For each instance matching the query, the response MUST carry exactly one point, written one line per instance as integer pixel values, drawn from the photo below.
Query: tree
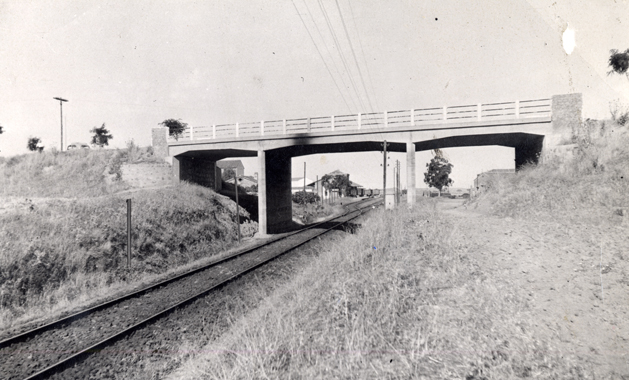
(340, 182)
(175, 127)
(1, 131)
(101, 136)
(34, 144)
(438, 174)
(619, 62)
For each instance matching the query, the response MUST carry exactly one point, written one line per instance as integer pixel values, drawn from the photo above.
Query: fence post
(479, 110)
(237, 130)
(445, 112)
(284, 126)
(517, 109)
(308, 124)
(214, 131)
(412, 117)
(191, 132)
(128, 233)
(262, 128)
(332, 122)
(360, 120)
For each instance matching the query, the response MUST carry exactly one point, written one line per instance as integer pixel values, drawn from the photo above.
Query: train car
(376, 192)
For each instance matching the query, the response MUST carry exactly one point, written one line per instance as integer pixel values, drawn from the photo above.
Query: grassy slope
(55, 249)
(402, 298)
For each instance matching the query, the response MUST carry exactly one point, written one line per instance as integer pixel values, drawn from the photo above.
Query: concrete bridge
(529, 126)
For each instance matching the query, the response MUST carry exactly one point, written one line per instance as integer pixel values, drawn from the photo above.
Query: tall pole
(304, 182)
(317, 183)
(237, 205)
(61, 106)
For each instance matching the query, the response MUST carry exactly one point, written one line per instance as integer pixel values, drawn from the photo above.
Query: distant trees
(340, 182)
(34, 144)
(101, 136)
(438, 174)
(619, 62)
(175, 127)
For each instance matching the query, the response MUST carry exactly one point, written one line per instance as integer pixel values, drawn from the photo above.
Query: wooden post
(412, 117)
(308, 124)
(214, 131)
(237, 130)
(360, 122)
(191, 132)
(332, 122)
(128, 233)
(262, 128)
(284, 126)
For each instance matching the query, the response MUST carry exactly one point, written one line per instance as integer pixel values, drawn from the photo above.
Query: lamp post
(61, 106)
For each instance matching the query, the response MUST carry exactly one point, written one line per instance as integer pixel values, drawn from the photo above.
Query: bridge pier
(275, 203)
(410, 173)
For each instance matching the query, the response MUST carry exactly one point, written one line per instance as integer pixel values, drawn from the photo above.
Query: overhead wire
(329, 53)
(320, 55)
(343, 59)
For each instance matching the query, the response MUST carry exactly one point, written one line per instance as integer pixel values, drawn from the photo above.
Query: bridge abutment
(197, 170)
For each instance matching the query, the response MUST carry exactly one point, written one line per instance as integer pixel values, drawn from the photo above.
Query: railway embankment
(63, 231)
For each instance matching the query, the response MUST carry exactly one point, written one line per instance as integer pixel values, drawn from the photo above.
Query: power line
(320, 55)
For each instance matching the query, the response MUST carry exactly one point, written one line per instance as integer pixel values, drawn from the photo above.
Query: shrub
(305, 197)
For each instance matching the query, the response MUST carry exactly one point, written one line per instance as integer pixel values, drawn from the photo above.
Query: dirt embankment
(575, 276)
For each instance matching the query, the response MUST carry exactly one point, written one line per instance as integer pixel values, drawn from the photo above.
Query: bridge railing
(373, 120)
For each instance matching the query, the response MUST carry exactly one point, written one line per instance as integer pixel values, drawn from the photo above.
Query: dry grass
(400, 299)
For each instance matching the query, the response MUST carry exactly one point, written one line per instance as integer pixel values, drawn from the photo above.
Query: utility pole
(237, 205)
(61, 106)
(304, 182)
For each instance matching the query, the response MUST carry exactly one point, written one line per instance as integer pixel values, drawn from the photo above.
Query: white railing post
(284, 126)
(262, 128)
(386, 119)
(191, 132)
(237, 130)
(445, 113)
(412, 117)
(360, 120)
(214, 131)
(332, 122)
(517, 109)
(479, 111)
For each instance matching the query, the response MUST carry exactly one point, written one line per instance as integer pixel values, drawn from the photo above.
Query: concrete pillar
(160, 142)
(528, 151)
(262, 194)
(410, 173)
(567, 115)
(279, 202)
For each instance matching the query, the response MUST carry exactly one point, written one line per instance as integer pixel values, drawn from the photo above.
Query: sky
(133, 64)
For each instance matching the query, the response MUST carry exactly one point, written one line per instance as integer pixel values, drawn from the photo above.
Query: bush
(304, 197)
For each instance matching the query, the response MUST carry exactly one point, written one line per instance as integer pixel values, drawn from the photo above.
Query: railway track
(50, 349)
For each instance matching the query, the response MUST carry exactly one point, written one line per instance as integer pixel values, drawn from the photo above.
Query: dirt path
(575, 278)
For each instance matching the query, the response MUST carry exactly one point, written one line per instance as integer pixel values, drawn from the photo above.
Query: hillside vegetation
(63, 228)
(591, 186)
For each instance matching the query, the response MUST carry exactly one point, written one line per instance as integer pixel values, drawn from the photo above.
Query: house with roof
(297, 184)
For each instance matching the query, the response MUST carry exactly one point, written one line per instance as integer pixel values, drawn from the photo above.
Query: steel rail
(97, 347)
